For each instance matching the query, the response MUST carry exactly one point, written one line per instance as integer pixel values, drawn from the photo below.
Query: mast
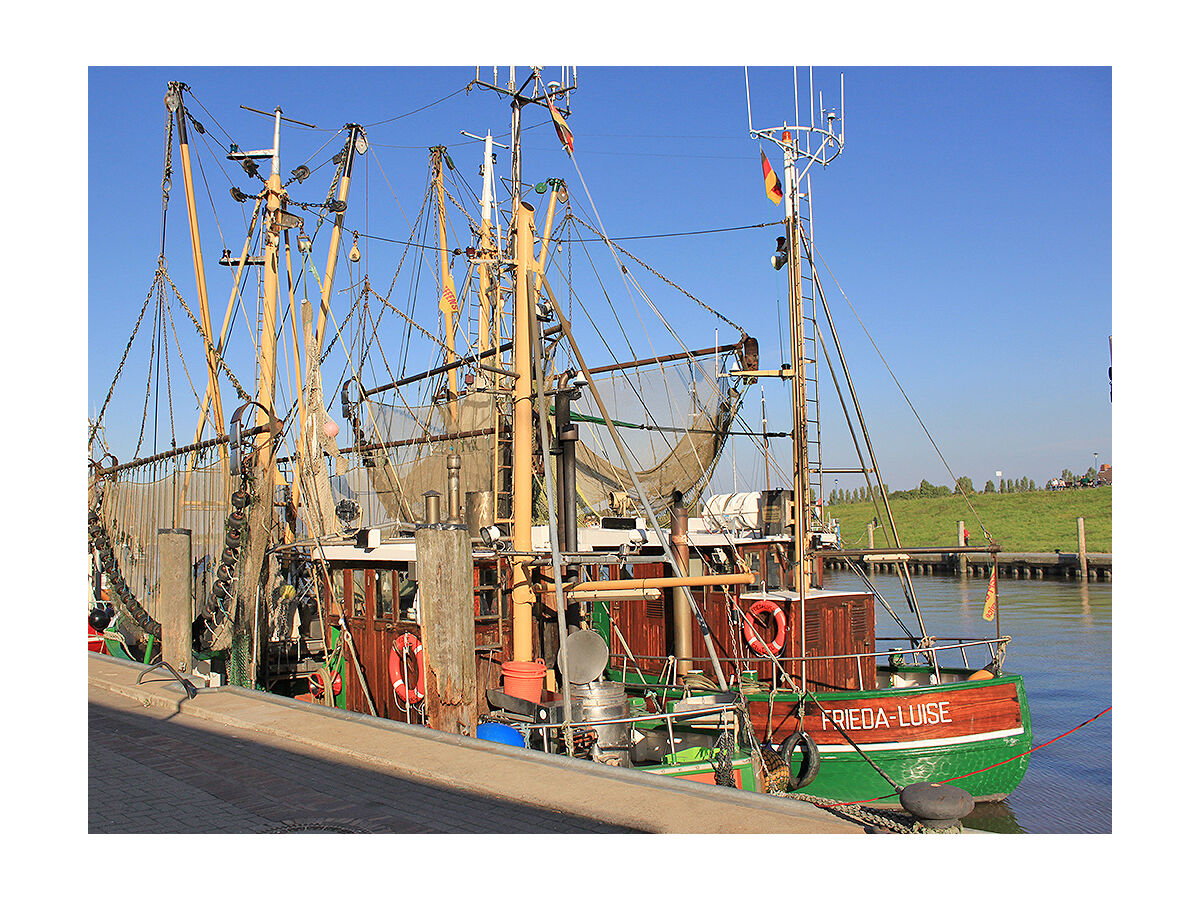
(175, 103)
(267, 339)
(799, 399)
(449, 298)
(486, 247)
(522, 533)
(352, 144)
(829, 148)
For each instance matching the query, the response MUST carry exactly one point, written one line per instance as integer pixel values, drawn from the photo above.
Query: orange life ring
(396, 668)
(756, 644)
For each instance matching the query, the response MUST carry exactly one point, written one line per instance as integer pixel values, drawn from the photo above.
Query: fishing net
(404, 450)
(673, 420)
(136, 502)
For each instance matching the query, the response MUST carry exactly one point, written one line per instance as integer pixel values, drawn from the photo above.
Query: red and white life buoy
(756, 644)
(397, 669)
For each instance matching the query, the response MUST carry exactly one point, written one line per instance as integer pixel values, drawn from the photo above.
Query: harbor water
(1062, 646)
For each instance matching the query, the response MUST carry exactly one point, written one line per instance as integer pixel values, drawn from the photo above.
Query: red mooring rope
(977, 771)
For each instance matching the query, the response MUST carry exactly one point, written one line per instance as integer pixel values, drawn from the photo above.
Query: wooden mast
(487, 247)
(335, 236)
(175, 102)
(449, 299)
(267, 339)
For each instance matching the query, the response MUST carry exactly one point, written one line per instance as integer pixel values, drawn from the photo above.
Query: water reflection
(1062, 646)
(996, 817)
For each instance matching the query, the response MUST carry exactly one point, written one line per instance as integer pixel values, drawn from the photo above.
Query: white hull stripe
(932, 742)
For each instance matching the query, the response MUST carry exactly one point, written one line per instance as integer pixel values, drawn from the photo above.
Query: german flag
(771, 180)
(560, 127)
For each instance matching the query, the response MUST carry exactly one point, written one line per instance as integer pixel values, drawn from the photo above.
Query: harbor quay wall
(1016, 564)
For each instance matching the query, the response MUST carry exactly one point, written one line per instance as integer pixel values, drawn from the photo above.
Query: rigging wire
(920, 421)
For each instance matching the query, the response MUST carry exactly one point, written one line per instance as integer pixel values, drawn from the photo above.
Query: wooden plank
(919, 714)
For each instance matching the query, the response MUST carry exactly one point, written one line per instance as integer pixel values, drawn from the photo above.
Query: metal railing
(997, 646)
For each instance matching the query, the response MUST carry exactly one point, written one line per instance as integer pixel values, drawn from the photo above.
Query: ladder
(502, 416)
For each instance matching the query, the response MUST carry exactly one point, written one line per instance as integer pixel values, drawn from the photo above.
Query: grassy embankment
(1036, 521)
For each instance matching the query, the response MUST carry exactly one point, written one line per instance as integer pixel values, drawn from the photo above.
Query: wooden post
(871, 544)
(961, 564)
(682, 609)
(1083, 566)
(175, 597)
(447, 626)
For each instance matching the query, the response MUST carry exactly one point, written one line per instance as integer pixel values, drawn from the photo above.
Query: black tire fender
(810, 762)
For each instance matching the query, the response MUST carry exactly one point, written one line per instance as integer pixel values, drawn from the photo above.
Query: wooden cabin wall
(374, 620)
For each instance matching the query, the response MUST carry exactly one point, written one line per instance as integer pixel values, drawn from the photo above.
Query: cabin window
(754, 561)
(336, 588)
(488, 591)
(384, 604)
(774, 573)
(359, 605)
(405, 593)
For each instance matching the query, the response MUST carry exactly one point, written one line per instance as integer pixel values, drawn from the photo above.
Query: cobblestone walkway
(151, 772)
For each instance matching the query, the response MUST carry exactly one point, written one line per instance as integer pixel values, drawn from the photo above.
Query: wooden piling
(960, 564)
(871, 544)
(175, 597)
(1083, 565)
(448, 626)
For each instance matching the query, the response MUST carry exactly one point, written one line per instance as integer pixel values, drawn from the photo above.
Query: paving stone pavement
(153, 771)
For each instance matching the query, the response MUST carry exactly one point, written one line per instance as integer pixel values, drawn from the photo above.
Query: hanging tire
(810, 761)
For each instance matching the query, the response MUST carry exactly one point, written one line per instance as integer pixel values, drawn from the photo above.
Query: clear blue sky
(969, 221)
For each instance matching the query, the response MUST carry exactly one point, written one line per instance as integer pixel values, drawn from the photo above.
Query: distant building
(1105, 476)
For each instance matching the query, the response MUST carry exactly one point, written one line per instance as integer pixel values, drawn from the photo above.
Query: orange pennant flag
(771, 181)
(560, 127)
(989, 602)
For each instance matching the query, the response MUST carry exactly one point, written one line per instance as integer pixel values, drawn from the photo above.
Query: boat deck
(238, 761)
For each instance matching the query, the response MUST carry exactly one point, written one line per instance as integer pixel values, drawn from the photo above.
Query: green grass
(1037, 521)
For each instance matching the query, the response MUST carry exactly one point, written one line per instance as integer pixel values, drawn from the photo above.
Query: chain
(125, 355)
(654, 271)
(207, 343)
(215, 613)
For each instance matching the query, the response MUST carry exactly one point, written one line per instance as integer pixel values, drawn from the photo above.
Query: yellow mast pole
(449, 300)
(546, 227)
(486, 246)
(175, 99)
(522, 535)
(301, 418)
(267, 340)
(335, 236)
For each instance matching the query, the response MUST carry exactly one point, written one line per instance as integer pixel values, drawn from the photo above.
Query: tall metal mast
(787, 137)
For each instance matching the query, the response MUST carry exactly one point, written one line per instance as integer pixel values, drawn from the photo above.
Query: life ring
(396, 669)
(756, 644)
(810, 760)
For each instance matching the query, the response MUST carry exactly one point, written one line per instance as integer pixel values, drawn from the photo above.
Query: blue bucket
(499, 734)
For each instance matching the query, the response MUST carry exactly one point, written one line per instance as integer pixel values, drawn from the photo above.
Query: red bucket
(524, 679)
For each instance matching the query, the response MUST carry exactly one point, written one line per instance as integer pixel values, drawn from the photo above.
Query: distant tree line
(964, 485)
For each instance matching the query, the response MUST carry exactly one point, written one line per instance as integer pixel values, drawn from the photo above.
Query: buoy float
(756, 644)
(397, 672)
(981, 675)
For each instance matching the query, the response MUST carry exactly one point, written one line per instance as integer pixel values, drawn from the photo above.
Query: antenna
(785, 135)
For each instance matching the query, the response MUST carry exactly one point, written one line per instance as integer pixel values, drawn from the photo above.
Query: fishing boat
(502, 547)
